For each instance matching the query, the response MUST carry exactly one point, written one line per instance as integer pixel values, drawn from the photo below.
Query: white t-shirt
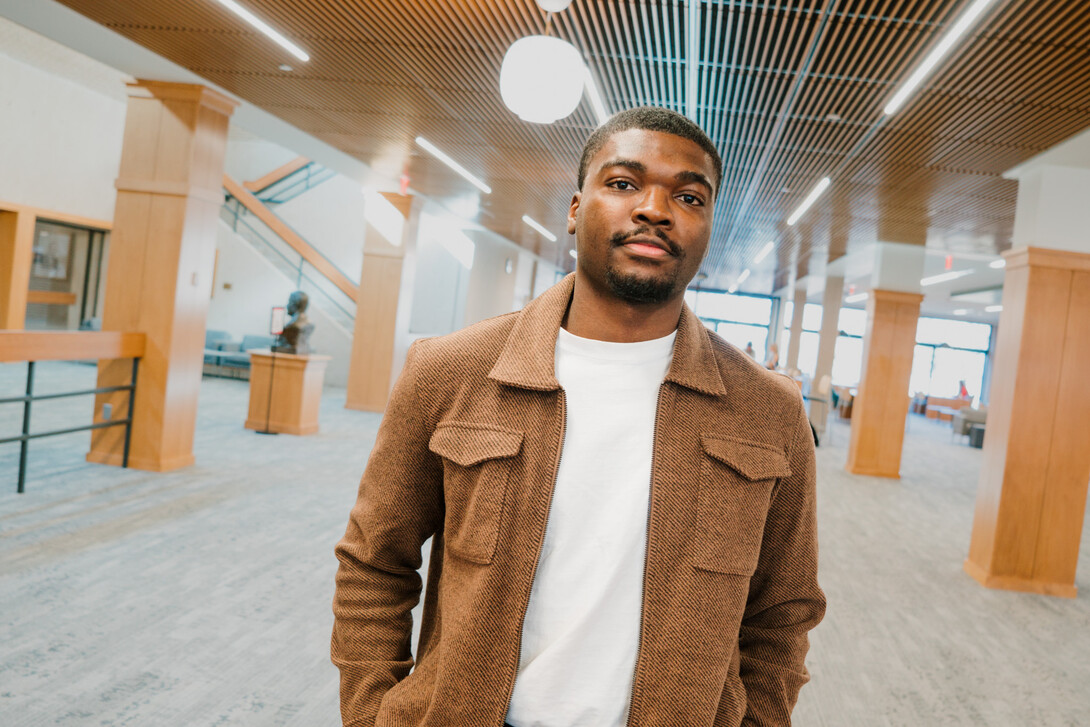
(582, 626)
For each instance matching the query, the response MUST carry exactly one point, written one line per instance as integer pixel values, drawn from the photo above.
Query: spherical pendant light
(542, 78)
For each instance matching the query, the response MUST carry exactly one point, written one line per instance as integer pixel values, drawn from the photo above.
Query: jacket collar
(529, 353)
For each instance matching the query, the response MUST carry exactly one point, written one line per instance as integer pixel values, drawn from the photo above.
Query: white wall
(247, 288)
(330, 217)
(60, 134)
(249, 157)
(491, 287)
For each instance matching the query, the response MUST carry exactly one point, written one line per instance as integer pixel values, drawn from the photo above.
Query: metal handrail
(30, 398)
(237, 210)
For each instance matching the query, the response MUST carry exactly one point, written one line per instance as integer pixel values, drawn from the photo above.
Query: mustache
(619, 238)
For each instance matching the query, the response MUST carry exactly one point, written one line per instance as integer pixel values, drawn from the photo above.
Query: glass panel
(961, 334)
(808, 352)
(852, 321)
(690, 300)
(788, 311)
(740, 334)
(951, 367)
(710, 325)
(811, 317)
(727, 307)
(848, 361)
(920, 380)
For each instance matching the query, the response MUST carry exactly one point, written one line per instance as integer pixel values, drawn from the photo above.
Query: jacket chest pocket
(736, 482)
(477, 463)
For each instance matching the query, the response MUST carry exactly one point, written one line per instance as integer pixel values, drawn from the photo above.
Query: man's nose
(653, 208)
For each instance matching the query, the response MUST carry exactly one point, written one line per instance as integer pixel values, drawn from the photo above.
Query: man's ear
(572, 209)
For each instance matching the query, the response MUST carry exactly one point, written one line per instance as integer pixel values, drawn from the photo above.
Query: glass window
(811, 317)
(848, 361)
(808, 352)
(962, 334)
(951, 366)
(740, 334)
(852, 321)
(740, 308)
(920, 378)
(690, 299)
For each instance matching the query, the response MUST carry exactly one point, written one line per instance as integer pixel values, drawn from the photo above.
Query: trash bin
(976, 436)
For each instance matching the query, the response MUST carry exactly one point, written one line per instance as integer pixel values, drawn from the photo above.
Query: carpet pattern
(202, 597)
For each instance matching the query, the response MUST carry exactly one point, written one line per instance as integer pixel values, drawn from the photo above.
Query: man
(622, 504)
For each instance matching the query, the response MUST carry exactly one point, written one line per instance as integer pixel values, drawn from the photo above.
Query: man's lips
(647, 246)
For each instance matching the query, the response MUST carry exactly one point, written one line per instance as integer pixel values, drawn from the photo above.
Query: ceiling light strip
(692, 58)
(764, 252)
(539, 227)
(944, 277)
(936, 55)
(435, 152)
(595, 97)
(265, 28)
(810, 199)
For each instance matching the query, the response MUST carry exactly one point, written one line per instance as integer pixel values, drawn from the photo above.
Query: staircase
(249, 215)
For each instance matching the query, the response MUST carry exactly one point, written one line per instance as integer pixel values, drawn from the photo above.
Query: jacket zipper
(537, 558)
(646, 559)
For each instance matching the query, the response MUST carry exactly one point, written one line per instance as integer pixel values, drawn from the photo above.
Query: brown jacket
(468, 453)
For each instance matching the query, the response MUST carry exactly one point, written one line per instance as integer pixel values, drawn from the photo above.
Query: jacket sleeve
(399, 506)
(784, 601)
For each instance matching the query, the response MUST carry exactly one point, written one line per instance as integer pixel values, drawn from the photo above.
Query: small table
(943, 413)
(285, 392)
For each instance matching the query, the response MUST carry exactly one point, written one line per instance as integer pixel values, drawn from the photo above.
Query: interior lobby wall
(60, 141)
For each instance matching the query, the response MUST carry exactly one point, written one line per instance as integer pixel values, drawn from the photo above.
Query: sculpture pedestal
(285, 392)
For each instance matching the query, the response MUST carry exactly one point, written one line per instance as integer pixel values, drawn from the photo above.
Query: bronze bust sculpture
(296, 334)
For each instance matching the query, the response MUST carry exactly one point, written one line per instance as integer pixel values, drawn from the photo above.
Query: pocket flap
(749, 459)
(470, 444)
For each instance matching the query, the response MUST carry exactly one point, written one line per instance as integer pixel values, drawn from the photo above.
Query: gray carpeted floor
(201, 597)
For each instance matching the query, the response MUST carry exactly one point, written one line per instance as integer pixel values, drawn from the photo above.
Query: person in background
(963, 391)
(621, 504)
(749, 350)
(772, 361)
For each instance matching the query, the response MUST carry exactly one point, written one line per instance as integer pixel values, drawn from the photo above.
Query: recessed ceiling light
(438, 154)
(858, 297)
(961, 311)
(286, 68)
(265, 28)
(1000, 263)
(574, 254)
(810, 199)
(994, 309)
(833, 117)
(744, 276)
(539, 227)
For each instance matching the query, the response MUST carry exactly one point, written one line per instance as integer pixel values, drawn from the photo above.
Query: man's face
(643, 218)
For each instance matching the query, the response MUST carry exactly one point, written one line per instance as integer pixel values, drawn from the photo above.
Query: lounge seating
(966, 417)
(224, 357)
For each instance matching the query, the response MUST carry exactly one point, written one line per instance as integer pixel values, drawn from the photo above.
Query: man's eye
(621, 184)
(691, 199)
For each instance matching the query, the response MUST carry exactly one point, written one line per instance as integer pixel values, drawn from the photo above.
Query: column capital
(191, 92)
(1046, 257)
(896, 296)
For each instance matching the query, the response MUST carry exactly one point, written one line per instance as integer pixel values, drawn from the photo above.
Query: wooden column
(382, 310)
(1032, 492)
(160, 272)
(16, 256)
(880, 408)
(789, 359)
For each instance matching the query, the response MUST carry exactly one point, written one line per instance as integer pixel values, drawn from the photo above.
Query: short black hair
(650, 118)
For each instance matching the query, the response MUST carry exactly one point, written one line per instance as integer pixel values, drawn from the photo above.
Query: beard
(636, 288)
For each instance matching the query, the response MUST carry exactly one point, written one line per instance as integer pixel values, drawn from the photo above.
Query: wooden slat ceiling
(789, 91)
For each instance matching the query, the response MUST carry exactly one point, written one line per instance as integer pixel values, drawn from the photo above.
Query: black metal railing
(30, 398)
